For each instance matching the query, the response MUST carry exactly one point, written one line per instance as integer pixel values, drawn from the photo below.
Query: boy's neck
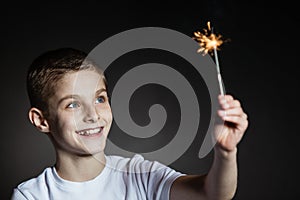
(79, 168)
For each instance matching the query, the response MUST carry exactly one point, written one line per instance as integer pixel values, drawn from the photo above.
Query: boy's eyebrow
(100, 91)
(71, 96)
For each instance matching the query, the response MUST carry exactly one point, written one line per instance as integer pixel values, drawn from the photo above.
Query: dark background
(259, 67)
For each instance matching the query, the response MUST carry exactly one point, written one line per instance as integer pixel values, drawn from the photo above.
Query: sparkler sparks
(210, 43)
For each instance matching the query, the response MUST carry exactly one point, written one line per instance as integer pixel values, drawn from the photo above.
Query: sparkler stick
(218, 70)
(209, 43)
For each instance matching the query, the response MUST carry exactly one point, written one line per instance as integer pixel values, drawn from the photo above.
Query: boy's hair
(48, 69)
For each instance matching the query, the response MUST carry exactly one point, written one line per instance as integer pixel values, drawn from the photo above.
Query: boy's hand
(235, 123)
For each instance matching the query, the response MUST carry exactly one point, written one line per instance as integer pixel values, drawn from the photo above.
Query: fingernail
(223, 101)
(226, 105)
(222, 112)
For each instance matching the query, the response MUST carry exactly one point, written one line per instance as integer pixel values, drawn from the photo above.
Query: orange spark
(208, 41)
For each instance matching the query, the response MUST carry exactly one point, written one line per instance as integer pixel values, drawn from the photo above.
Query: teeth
(90, 132)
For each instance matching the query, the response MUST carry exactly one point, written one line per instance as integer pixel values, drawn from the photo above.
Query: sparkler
(210, 43)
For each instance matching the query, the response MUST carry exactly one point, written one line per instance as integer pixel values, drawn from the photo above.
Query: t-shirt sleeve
(160, 183)
(155, 178)
(17, 195)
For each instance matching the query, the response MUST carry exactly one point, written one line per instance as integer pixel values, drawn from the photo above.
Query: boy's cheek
(109, 119)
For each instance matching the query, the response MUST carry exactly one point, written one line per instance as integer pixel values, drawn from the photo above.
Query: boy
(77, 117)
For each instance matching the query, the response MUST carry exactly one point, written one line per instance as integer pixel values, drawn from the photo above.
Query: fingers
(228, 101)
(231, 110)
(227, 97)
(235, 111)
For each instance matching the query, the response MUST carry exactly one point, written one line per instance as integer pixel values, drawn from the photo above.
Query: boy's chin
(95, 149)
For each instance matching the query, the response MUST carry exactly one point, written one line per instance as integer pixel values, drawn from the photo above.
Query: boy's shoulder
(137, 164)
(36, 181)
(33, 185)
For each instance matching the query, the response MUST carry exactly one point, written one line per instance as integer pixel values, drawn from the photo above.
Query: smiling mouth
(91, 131)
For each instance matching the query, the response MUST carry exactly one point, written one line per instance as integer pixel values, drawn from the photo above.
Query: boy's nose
(91, 115)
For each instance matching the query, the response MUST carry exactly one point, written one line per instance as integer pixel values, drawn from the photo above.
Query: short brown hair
(47, 69)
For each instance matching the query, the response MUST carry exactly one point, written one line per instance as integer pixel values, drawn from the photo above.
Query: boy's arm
(221, 180)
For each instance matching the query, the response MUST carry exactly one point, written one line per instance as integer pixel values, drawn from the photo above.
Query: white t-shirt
(121, 178)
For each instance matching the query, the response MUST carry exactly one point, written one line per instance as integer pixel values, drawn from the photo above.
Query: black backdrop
(259, 67)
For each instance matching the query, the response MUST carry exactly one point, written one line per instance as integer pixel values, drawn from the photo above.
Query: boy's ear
(37, 118)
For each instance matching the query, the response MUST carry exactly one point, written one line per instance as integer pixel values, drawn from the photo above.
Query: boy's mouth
(90, 131)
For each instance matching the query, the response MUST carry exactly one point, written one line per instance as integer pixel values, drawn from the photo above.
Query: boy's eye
(100, 99)
(73, 105)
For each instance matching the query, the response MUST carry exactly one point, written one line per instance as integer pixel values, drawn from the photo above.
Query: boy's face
(80, 116)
